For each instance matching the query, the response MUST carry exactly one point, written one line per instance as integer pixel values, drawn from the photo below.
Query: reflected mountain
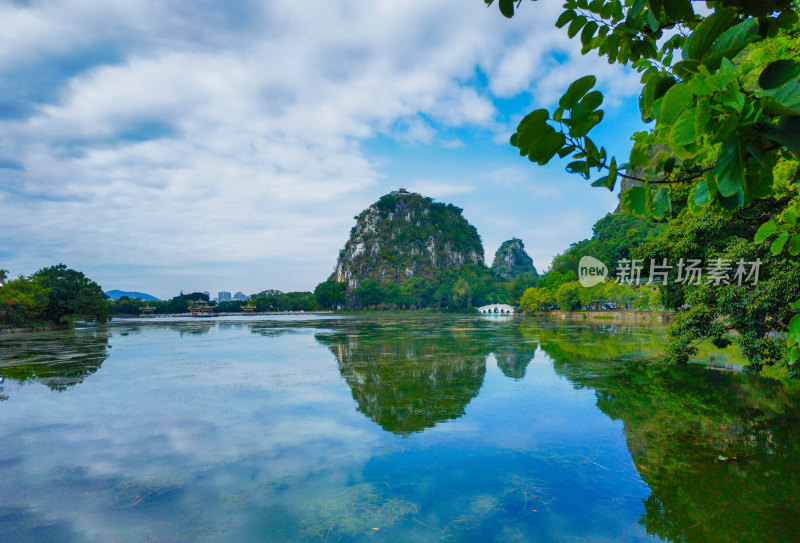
(513, 359)
(720, 451)
(407, 380)
(58, 360)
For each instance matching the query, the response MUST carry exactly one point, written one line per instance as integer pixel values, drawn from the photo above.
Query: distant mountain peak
(117, 294)
(511, 260)
(405, 235)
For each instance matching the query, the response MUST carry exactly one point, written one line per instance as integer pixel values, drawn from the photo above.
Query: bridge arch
(496, 309)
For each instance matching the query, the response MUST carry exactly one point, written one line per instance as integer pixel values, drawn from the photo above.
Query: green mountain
(117, 294)
(511, 260)
(405, 235)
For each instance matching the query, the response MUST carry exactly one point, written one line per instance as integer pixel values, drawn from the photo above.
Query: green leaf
(612, 172)
(779, 243)
(794, 328)
(579, 167)
(730, 43)
(604, 182)
(531, 127)
(733, 202)
(507, 8)
(787, 95)
(565, 17)
(706, 32)
(759, 184)
(545, 148)
(795, 305)
(675, 101)
(655, 8)
(700, 194)
(729, 168)
(588, 32)
(592, 101)
(574, 26)
(778, 74)
(634, 201)
(652, 91)
(596, 6)
(702, 115)
(679, 10)
(787, 132)
(794, 246)
(765, 231)
(565, 151)
(576, 91)
(652, 22)
(661, 203)
(683, 132)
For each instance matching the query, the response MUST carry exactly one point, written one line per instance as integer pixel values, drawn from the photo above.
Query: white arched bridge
(496, 309)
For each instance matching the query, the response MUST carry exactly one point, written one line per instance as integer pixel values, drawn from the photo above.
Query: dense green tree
(723, 89)
(613, 238)
(231, 306)
(125, 306)
(516, 288)
(275, 300)
(568, 296)
(554, 279)
(370, 292)
(179, 303)
(414, 292)
(23, 302)
(330, 294)
(71, 295)
(52, 295)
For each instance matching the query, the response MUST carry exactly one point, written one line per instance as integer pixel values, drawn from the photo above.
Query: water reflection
(720, 451)
(406, 379)
(59, 360)
(247, 431)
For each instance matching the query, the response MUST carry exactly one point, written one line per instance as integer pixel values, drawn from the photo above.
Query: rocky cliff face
(405, 235)
(511, 260)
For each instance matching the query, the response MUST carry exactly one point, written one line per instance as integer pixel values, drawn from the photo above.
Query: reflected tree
(720, 451)
(57, 360)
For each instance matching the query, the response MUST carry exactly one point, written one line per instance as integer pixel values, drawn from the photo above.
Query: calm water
(390, 428)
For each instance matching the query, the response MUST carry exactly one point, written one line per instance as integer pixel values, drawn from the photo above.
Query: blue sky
(166, 146)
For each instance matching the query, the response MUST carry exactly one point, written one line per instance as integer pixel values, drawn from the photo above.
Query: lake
(387, 428)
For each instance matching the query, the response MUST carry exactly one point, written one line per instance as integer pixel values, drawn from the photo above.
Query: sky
(200, 145)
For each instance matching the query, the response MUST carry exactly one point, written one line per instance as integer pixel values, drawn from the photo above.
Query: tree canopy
(52, 295)
(721, 90)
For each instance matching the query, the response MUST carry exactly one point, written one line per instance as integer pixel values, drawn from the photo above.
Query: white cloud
(223, 137)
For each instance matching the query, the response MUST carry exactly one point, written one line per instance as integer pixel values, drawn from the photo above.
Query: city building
(224, 296)
(240, 296)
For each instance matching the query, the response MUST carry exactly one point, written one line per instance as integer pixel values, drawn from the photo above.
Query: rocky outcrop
(405, 235)
(511, 260)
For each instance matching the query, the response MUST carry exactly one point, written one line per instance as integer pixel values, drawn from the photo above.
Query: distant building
(224, 296)
(239, 296)
(248, 309)
(147, 311)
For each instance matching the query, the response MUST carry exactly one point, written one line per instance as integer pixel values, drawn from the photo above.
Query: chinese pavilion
(200, 308)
